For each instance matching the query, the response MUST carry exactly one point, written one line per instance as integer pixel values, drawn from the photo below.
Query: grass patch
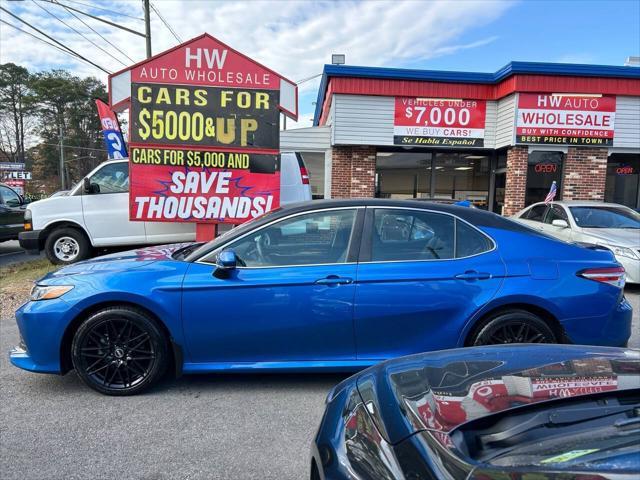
(19, 277)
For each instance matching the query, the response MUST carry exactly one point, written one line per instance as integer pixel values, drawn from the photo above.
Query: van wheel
(67, 245)
(513, 326)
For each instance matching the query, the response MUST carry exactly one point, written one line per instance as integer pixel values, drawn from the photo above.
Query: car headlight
(624, 252)
(44, 292)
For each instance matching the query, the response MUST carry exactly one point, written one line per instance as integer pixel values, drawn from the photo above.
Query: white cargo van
(69, 226)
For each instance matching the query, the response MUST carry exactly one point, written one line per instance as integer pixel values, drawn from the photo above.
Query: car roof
(581, 203)
(475, 216)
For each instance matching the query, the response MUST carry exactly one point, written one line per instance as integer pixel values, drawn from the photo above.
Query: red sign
(178, 194)
(204, 136)
(206, 61)
(565, 119)
(439, 122)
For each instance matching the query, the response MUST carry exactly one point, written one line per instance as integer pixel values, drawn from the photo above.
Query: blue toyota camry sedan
(326, 285)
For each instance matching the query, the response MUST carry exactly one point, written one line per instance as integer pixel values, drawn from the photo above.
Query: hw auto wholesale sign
(439, 122)
(204, 137)
(582, 120)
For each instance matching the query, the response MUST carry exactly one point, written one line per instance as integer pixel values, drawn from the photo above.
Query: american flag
(552, 193)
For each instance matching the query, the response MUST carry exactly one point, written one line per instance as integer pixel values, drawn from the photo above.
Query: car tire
(513, 326)
(120, 351)
(65, 246)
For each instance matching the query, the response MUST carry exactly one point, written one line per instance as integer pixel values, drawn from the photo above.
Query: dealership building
(497, 139)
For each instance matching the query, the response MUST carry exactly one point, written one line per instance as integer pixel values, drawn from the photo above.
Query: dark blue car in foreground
(507, 412)
(326, 285)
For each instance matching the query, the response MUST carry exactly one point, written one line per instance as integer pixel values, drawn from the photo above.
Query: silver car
(608, 224)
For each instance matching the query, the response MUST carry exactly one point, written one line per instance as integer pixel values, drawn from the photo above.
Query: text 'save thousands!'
(203, 154)
(564, 119)
(439, 122)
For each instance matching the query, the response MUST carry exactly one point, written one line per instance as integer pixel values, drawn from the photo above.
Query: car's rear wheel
(119, 351)
(513, 326)
(67, 245)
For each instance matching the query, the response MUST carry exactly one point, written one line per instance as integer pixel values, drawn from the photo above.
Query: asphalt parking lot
(209, 426)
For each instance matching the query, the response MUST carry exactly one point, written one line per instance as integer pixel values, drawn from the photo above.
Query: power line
(73, 146)
(97, 33)
(79, 33)
(38, 38)
(55, 41)
(104, 10)
(153, 7)
(108, 22)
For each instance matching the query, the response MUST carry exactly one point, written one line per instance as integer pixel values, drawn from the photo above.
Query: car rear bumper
(32, 240)
(611, 330)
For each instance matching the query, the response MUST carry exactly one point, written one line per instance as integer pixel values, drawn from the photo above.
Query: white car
(68, 226)
(613, 226)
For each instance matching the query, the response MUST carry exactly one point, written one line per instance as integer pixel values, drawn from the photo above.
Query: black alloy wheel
(514, 326)
(119, 351)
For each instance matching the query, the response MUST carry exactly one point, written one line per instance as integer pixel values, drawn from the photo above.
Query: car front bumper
(32, 240)
(42, 325)
(632, 267)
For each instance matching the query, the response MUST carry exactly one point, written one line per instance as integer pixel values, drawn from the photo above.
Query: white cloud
(295, 38)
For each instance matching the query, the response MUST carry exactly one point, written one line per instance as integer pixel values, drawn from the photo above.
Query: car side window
(409, 235)
(536, 214)
(470, 241)
(556, 212)
(315, 238)
(10, 198)
(112, 178)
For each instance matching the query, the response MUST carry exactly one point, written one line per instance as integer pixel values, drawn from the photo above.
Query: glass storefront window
(403, 175)
(462, 176)
(543, 168)
(441, 176)
(623, 180)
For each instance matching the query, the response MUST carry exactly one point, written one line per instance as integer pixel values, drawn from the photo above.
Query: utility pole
(147, 26)
(62, 174)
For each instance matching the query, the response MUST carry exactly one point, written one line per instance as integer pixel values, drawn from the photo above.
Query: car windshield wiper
(554, 417)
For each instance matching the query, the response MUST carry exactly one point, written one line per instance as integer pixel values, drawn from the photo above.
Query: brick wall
(585, 174)
(353, 172)
(516, 182)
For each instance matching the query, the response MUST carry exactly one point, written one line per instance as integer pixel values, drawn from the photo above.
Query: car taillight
(305, 175)
(613, 276)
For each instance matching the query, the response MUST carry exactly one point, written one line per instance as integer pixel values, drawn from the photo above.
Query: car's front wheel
(513, 326)
(119, 351)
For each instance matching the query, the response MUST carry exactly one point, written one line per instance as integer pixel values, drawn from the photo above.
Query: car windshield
(605, 217)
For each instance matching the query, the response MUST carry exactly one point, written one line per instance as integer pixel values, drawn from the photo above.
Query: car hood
(624, 237)
(116, 262)
(439, 391)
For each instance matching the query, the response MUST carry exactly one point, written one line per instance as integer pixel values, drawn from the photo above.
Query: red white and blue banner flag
(113, 138)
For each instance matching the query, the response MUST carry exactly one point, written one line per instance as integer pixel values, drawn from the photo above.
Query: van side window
(112, 178)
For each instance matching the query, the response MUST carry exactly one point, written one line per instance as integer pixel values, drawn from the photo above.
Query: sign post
(204, 135)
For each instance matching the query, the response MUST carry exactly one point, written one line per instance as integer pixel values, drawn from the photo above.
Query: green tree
(16, 108)
(65, 106)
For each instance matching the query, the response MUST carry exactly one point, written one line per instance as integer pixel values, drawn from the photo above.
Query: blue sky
(296, 38)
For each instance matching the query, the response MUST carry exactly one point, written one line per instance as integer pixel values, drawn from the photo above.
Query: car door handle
(473, 275)
(334, 280)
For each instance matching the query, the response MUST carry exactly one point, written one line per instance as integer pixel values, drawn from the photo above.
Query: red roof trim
(515, 83)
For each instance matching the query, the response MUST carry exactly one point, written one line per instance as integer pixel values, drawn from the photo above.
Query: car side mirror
(558, 222)
(226, 262)
(25, 200)
(89, 187)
